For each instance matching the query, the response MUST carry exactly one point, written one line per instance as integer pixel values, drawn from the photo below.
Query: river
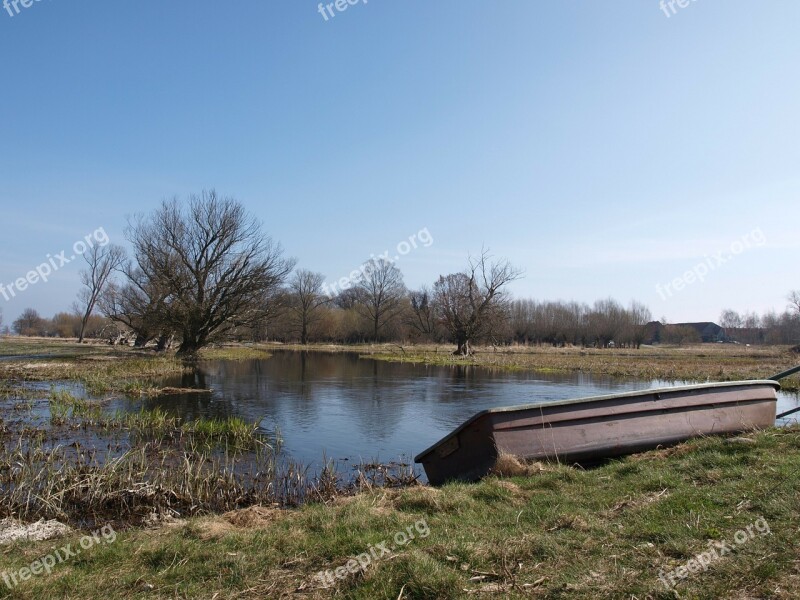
(351, 409)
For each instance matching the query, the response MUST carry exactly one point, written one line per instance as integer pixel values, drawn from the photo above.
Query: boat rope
(787, 413)
(785, 374)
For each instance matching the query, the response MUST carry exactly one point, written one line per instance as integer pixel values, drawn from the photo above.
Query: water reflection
(351, 408)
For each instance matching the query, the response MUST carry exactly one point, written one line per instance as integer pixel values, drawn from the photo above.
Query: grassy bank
(718, 362)
(101, 368)
(120, 369)
(557, 533)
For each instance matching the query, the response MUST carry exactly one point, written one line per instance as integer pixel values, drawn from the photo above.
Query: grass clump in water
(65, 406)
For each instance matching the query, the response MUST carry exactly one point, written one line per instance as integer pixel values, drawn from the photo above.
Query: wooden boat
(591, 429)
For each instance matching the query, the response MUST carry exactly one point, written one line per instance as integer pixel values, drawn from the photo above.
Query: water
(350, 410)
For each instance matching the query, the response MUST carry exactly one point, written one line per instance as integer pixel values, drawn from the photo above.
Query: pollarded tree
(606, 322)
(380, 294)
(472, 303)
(306, 298)
(638, 316)
(217, 269)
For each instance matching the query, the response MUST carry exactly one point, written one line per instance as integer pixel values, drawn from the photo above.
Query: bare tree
(638, 316)
(139, 305)
(102, 261)
(471, 303)
(30, 323)
(794, 301)
(422, 317)
(606, 322)
(380, 292)
(730, 319)
(306, 299)
(213, 267)
(346, 299)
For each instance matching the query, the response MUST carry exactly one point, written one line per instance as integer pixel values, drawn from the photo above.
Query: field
(705, 362)
(711, 518)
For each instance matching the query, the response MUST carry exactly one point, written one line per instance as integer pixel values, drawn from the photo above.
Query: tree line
(203, 271)
(770, 328)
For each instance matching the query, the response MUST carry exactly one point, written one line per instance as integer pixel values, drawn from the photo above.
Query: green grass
(228, 432)
(65, 407)
(234, 353)
(563, 533)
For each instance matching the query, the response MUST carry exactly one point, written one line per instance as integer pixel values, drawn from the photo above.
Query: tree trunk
(191, 345)
(164, 342)
(188, 349)
(464, 348)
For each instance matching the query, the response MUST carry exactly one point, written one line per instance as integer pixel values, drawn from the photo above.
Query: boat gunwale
(520, 407)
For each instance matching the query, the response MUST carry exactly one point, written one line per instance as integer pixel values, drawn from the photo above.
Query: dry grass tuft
(632, 503)
(254, 517)
(574, 522)
(211, 528)
(508, 465)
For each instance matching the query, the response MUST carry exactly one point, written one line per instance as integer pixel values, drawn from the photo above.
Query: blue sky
(601, 146)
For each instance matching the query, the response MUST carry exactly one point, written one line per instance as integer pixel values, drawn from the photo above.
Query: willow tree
(215, 267)
(472, 303)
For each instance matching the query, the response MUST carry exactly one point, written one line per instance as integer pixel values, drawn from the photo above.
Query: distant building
(656, 333)
(708, 332)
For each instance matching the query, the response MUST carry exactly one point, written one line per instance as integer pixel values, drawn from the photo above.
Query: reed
(78, 486)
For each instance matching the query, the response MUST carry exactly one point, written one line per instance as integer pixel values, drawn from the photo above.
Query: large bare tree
(471, 303)
(380, 294)
(306, 299)
(213, 265)
(102, 262)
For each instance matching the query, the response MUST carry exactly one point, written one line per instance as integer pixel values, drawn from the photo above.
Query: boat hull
(591, 429)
